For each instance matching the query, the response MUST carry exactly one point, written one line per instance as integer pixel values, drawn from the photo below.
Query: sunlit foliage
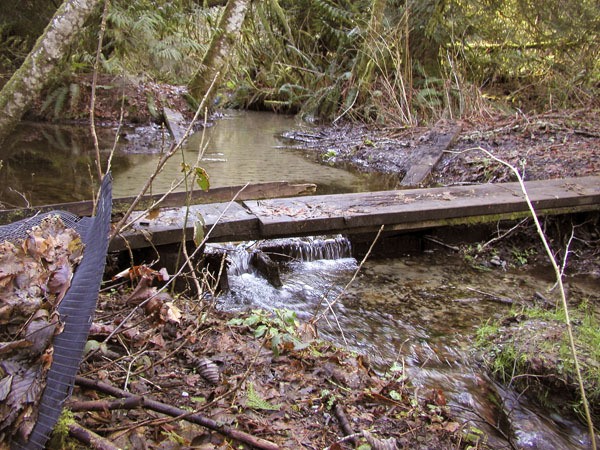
(409, 61)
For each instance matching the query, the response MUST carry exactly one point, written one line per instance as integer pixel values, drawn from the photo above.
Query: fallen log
(173, 411)
(89, 438)
(427, 155)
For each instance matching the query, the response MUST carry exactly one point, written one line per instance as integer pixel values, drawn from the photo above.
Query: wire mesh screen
(18, 230)
(75, 310)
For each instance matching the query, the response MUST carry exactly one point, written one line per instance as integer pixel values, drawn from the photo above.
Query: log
(427, 155)
(266, 267)
(175, 123)
(173, 411)
(255, 191)
(89, 438)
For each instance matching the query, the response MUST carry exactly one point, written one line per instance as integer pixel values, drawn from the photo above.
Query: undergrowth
(529, 350)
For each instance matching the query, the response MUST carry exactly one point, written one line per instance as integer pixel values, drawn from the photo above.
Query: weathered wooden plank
(166, 226)
(409, 209)
(417, 208)
(175, 199)
(427, 155)
(176, 123)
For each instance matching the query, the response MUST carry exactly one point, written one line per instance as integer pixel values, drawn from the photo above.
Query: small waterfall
(239, 257)
(308, 249)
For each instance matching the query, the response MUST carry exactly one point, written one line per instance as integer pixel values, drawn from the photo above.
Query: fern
(255, 401)
(74, 93)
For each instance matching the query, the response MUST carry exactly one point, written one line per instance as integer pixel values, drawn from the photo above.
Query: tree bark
(27, 82)
(218, 54)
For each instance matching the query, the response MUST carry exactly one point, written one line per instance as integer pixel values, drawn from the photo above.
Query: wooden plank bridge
(404, 210)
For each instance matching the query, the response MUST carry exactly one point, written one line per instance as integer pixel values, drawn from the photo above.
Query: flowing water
(421, 312)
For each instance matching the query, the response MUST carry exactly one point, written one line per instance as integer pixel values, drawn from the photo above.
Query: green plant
(279, 327)
(60, 434)
(522, 255)
(255, 401)
(328, 398)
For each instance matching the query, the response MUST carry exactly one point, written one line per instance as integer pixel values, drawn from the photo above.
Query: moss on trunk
(27, 82)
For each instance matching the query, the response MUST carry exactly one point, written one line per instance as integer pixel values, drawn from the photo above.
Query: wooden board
(167, 226)
(419, 208)
(176, 124)
(427, 155)
(175, 199)
(410, 209)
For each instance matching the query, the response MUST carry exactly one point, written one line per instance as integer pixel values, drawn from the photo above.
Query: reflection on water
(420, 312)
(240, 148)
(44, 164)
(51, 164)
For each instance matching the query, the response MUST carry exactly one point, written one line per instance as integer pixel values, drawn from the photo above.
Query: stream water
(45, 164)
(419, 311)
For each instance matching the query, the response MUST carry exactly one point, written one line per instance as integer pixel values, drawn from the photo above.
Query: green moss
(60, 435)
(530, 351)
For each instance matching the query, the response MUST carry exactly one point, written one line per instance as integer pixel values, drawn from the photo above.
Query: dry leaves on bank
(35, 274)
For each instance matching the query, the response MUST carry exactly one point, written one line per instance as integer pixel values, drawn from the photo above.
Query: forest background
(390, 62)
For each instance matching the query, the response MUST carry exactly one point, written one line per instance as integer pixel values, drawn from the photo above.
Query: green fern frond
(61, 98)
(255, 401)
(50, 98)
(74, 93)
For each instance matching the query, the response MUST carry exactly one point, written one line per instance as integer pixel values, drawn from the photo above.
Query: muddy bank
(545, 146)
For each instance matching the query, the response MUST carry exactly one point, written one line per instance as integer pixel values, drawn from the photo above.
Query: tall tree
(221, 46)
(27, 82)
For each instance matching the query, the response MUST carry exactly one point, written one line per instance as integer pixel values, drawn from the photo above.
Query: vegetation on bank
(382, 61)
(529, 350)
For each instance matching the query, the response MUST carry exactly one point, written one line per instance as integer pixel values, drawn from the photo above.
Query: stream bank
(383, 152)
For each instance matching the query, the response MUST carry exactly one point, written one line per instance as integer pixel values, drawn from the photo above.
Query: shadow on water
(421, 313)
(45, 163)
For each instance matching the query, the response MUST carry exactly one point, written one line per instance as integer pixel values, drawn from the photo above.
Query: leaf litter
(35, 274)
(280, 384)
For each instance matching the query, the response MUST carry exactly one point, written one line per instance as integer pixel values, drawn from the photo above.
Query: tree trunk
(217, 56)
(27, 82)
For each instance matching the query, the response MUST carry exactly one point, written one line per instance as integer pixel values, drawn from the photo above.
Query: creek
(44, 164)
(418, 311)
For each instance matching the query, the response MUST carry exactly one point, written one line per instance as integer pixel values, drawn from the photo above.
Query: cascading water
(419, 311)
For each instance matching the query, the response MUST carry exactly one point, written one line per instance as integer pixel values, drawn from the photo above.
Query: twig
(90, 438)
(443, 244)
(563, 296)
(173, 411)
(350, 438)
(507, 300)
(503, 235)
(106, 405)
(94, 81)
(340, 415)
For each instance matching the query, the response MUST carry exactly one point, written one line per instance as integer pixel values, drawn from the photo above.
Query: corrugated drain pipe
(76, 311)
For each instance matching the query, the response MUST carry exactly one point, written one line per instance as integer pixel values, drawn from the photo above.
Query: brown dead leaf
(170, 313)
